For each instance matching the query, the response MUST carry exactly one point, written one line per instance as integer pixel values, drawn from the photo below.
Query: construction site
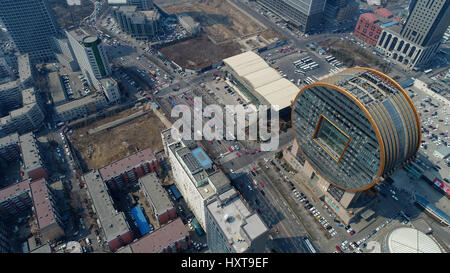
(227, 30)
(118, 136)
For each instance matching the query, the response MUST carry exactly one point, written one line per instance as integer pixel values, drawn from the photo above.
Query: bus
(427, 71)
(297, 62)
(309, 245)
(305, 67)
(314, 66)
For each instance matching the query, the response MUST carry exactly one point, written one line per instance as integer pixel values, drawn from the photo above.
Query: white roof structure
(265, 80)
(410, 240)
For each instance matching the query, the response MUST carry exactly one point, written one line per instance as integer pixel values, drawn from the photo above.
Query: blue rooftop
(202, 158)
(389, 24)
(140, 220)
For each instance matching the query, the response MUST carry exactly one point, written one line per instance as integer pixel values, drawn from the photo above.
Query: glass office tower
(356, 127)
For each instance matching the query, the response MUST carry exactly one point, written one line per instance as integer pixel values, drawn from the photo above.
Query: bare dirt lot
(221, 20)
(107, 146)
(199, 52)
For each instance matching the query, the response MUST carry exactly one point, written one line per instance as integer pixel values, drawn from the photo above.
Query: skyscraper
(427, 21)
(304, 14)
(418, 40)
(31, 25)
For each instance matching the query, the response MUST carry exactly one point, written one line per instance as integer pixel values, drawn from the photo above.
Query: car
(88, 241)
(261, 183)
(338, 248)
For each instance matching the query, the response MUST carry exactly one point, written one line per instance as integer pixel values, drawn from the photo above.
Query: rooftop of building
(56, 88)
(24, 67)
(127, 163)
(15, 189)
(79, 33)
(159, 239)
(42, 203)
(30, 151)
(9, 140)
(112, 222)
(45, 248)
(208, 184)
(91, 98)
(235, 220)
(187, 19)
(158, 195)
(265, 80)
(384, 12)
(107, 81)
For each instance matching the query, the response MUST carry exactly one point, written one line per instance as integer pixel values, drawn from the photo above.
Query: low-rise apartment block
(32, 161)
(170, 238)
(158, 198)
(128, 170)
(113, 224)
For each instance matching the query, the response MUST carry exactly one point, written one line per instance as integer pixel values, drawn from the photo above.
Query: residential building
(47, 215)
(90, 54)
(25, 119)
(31, 25)
(5, 246)
(21, 104)
(196, 183)
(31, 156)
(158, 198)
(14, 199)
(417, 41)
(306, 15)
(141, 25)
(231, 227)
(115, 228)
(129, 169)
(82, 107)
(172, 237)
(10, 147)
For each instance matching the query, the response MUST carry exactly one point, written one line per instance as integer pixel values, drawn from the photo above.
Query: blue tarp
(140, 220)
(175, 191)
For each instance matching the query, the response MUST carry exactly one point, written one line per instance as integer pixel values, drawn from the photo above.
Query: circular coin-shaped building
(356, 127)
